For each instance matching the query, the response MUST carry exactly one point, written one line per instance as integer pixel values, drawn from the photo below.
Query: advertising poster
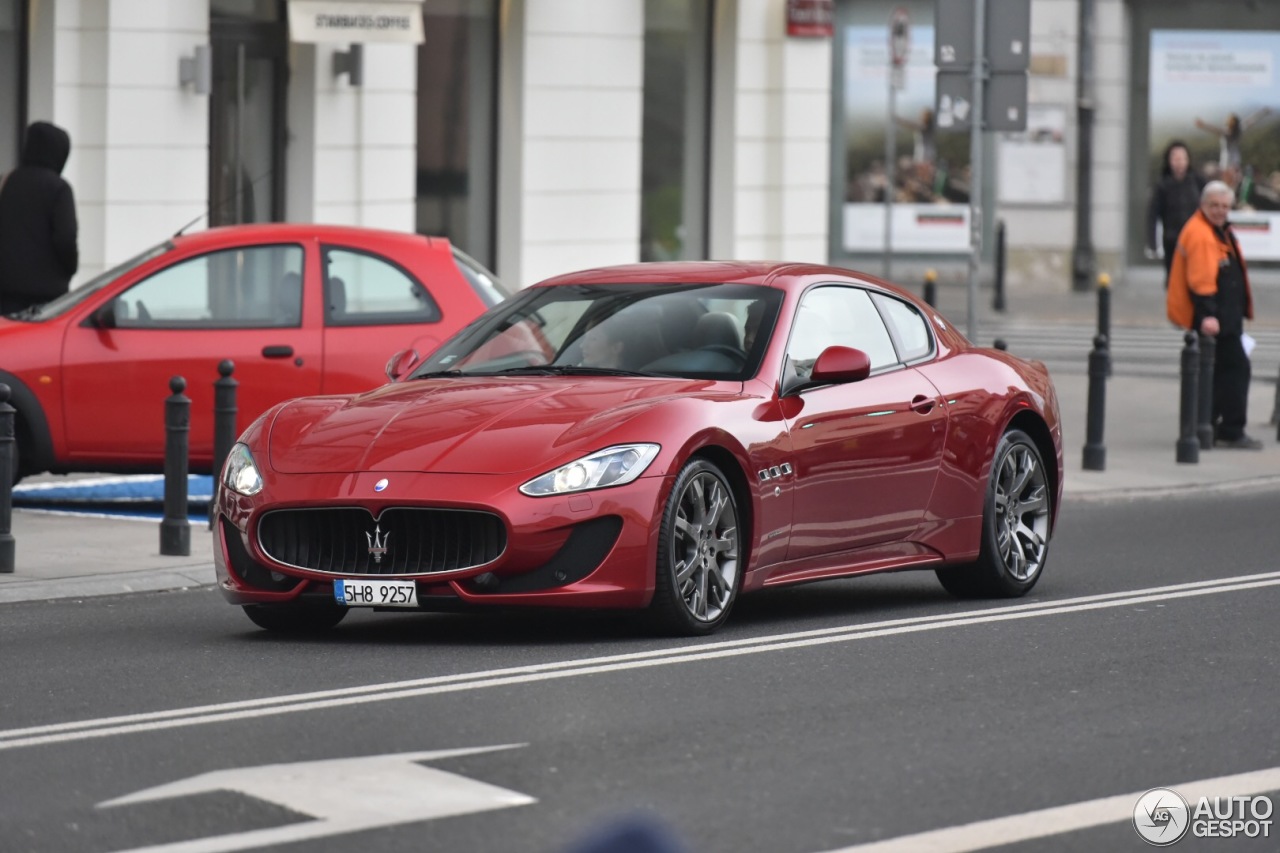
(1033, 162)
(931, 190)
(1218, 92)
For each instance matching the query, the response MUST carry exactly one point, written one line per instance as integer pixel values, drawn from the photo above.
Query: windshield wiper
(435, 374)
(571, 370)
(27, 313)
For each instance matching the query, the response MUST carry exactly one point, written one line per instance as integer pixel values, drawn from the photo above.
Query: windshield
(704, 331)
(74, 297)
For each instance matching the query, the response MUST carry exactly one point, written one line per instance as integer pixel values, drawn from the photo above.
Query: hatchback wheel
(295, 618)
(699, 553)
(1015, 526)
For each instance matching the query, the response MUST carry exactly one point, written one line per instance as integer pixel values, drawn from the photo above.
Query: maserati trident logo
(377, 543)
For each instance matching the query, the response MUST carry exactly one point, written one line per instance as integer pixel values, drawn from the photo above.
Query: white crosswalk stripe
(1149, 348)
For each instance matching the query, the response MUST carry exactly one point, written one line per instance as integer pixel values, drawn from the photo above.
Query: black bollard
(931, 288)
(1104, 313)
(8, 462)
(997, 302)
(1188, 444)
(1204, 419)
(224, 423)
(1095, 452)
(175, 529)
(1000, 344)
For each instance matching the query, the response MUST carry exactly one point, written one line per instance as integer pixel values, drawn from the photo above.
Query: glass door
(246, 121)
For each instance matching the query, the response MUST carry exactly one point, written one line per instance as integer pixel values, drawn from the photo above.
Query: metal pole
(1104, 312)
(1204, 425)
(997, 303)
(975, 163)
(175, 529)
(1082, 256)
(224, 423)
(931, 287)
(8, 464)
(890, 155)
(1188, 444)
(1095, 452)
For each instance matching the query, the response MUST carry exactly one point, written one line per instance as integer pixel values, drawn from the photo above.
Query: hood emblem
(377, 543)
(381, 484)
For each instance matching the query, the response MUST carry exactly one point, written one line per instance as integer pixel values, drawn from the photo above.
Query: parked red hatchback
(300, 309)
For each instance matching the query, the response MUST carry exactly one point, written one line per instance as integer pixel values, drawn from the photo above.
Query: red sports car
(661, 436)
(299, 309)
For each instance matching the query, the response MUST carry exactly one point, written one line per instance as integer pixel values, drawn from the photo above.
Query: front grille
(417, 541)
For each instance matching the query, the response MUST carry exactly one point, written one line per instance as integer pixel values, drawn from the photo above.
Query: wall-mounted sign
(811, 18)
(347, 21)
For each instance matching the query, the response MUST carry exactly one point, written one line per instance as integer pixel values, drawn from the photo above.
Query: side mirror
(400, 363)
(104, 316)
(841, 364)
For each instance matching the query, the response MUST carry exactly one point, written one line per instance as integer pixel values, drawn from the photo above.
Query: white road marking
(324, 699)
(1070, 818)
(342, 795)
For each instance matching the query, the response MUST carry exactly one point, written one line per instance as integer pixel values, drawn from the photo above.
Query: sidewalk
(60, 556)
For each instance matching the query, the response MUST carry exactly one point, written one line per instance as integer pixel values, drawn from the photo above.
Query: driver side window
(838, 316)
(252, 287)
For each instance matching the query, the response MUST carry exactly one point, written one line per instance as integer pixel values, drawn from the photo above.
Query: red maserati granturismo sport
(297, 308)
(662, 437)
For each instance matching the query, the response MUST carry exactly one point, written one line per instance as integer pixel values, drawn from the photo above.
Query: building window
(457, 107)
(674, 146)
(13, 80)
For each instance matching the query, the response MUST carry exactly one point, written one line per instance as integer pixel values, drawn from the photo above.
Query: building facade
(547, 135)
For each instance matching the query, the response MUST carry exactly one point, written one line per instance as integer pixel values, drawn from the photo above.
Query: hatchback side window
(362, 289)
(251, 287)
(838, 316)
(911, 329)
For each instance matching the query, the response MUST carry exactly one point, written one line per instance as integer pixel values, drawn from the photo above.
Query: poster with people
(931, 167)
(1218, 92)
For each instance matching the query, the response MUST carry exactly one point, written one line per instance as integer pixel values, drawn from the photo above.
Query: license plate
(375, 593)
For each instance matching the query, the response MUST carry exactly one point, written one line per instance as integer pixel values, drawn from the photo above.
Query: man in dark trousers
(1209, 293)
(38, 252)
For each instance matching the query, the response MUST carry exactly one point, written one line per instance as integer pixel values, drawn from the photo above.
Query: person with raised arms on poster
(1229, 136)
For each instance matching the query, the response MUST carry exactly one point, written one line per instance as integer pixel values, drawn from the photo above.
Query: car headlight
(612, 466)
(240, 473)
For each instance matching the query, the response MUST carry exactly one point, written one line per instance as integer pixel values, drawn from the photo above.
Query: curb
(120, 583)
(1180, 490)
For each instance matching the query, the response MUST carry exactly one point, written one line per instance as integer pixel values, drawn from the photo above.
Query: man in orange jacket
(1209, 293)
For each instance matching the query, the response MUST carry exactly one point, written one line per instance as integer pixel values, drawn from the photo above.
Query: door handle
(922, 404)
(277, 351)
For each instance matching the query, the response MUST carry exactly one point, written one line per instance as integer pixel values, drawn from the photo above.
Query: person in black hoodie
(1174, 200)
(38, 252)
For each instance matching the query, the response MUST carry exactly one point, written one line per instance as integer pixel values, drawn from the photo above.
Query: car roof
(284, 231)
(771, 273)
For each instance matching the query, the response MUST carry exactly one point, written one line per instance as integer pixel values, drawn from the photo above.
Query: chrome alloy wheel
(705, 547)
(1021, 512)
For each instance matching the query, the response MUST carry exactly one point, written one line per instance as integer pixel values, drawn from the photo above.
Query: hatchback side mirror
(104, 316)
(400, 363)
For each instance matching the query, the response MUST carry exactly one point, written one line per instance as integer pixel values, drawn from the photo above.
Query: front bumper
(592, 549)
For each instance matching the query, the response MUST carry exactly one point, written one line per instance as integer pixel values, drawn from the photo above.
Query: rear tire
(700, 554)
(1015, 526)
(295, 618)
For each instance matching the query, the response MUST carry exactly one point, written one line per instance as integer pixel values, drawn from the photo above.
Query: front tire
(700, 551)
(1015, 526)
(295, 618)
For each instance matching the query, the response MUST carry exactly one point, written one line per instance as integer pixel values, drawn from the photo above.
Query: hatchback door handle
(277, 352)
(922, 404)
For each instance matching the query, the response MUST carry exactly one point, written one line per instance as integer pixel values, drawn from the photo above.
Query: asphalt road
(809, 724)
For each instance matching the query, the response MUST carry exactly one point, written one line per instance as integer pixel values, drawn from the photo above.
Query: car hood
(482, 425)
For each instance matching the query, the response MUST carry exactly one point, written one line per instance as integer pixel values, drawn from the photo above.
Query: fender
(38, 456)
